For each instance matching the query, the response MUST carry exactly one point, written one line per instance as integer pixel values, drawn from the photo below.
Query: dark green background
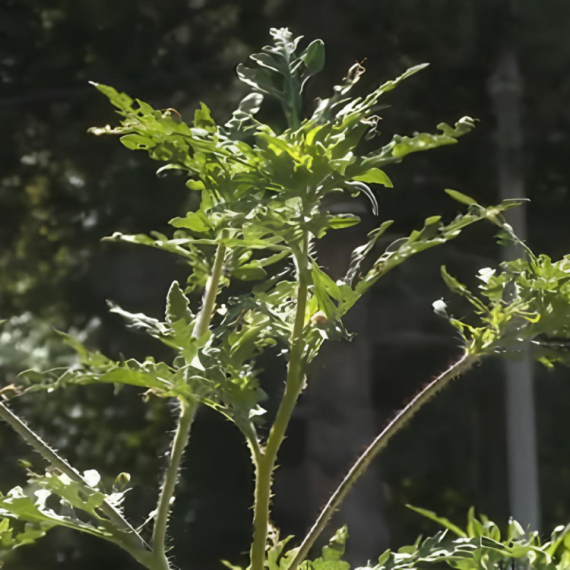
(61, 190)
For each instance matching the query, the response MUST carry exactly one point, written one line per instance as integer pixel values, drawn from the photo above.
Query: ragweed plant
(480, 545)
(261, 205)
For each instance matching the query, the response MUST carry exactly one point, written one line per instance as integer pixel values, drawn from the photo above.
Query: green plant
(481, 545)
(262, 204)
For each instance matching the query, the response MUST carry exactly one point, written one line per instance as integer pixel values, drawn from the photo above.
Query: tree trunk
(505, 89)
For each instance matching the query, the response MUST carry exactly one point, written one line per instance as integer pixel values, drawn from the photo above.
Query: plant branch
(210, 294)
(381, 441)
(187, 413)
(252, 442)
(135, 541)
(293, 387)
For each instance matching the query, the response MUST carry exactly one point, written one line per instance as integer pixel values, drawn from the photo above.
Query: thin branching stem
(181, 437)
(363, 462)
(250, 436)
(293, 387)
(210, 294)
(135, 541)
(185, 420)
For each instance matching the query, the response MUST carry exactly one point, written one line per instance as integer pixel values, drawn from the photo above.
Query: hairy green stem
(293, 387)
(252, 443)
(185, 420)
(187, 413)
(135, 541)
(381, 441)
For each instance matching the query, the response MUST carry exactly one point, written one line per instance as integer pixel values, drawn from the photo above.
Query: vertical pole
(505, 90)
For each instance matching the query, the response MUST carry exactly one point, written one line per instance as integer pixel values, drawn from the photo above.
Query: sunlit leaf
(463, 198)
(375, 176)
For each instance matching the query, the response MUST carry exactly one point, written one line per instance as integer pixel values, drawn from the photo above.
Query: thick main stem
(185, 420)
(381, 441)
(135, 542)
(293, 387)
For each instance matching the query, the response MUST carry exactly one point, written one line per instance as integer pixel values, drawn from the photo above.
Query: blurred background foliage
(62, 190)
